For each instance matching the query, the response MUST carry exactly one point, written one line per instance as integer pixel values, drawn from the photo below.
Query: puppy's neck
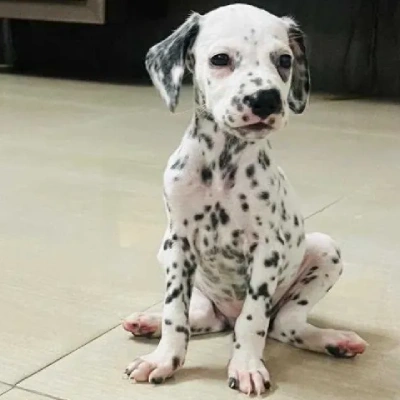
(222, 152)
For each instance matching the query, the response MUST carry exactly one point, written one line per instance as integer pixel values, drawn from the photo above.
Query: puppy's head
(250, 67)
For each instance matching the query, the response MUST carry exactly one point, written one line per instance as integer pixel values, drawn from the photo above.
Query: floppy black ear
(300, 84)
(165, 62)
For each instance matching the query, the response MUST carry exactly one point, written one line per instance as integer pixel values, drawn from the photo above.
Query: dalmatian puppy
(235, 253)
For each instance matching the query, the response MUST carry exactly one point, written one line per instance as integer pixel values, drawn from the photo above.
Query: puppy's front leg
(247, 371)
(180, 265)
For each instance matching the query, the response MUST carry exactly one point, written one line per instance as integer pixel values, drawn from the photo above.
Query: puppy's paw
(248, 375)
(342, 344)
(140, 324)
(154, 367)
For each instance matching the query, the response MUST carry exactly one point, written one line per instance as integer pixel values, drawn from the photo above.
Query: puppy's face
(249, 68)
(243, 67)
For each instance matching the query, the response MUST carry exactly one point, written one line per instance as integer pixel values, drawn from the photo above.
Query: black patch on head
(300, 84)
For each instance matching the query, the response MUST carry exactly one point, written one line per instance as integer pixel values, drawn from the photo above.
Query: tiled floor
(81, 218)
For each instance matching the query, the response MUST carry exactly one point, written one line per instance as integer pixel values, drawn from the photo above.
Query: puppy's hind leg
(321, 269)
(202, 319)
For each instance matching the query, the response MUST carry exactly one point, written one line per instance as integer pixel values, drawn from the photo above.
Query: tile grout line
(16, 385)
(42, 394)
(322, 209)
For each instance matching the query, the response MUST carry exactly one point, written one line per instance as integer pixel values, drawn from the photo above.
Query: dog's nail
(156, 381)
(267, 385)
(232, 383)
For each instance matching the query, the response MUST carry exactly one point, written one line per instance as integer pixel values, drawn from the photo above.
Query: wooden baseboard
(78, 11)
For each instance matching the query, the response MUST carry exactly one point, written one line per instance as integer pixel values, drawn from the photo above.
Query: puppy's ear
(300, 84)
(165, 62)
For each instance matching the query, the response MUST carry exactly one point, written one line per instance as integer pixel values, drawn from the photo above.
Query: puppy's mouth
(258, 126)
(259, 129)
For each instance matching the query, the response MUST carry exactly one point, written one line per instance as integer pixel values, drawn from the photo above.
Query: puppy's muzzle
(264, 103)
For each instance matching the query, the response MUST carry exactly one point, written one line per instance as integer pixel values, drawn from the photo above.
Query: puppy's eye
(220, 60)
(285, 61)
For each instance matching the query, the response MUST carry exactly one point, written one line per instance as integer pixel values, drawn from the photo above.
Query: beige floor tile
(366, 225)
(4, 388)
(18, 394)
(96, 369)
(81, 218)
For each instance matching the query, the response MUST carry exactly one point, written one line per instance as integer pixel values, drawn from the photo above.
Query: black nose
(264, 102)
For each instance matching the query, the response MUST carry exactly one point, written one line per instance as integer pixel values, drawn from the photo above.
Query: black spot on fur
(167, 322)
(288, 236)
(174, 294)
(250, 171)
(253, 247)
(207, 139)
(176, 362)
(257, 81)
(245, 207)
(249, 317)
(223, 216)
(273, 260)
(214, 220)
(263, 195)
(263, 159)
(206, 175)
(302, 302)
(261, 333)
(198, 217)
(185, 244)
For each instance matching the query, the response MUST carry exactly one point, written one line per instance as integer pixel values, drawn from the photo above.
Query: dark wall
(354, 44)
